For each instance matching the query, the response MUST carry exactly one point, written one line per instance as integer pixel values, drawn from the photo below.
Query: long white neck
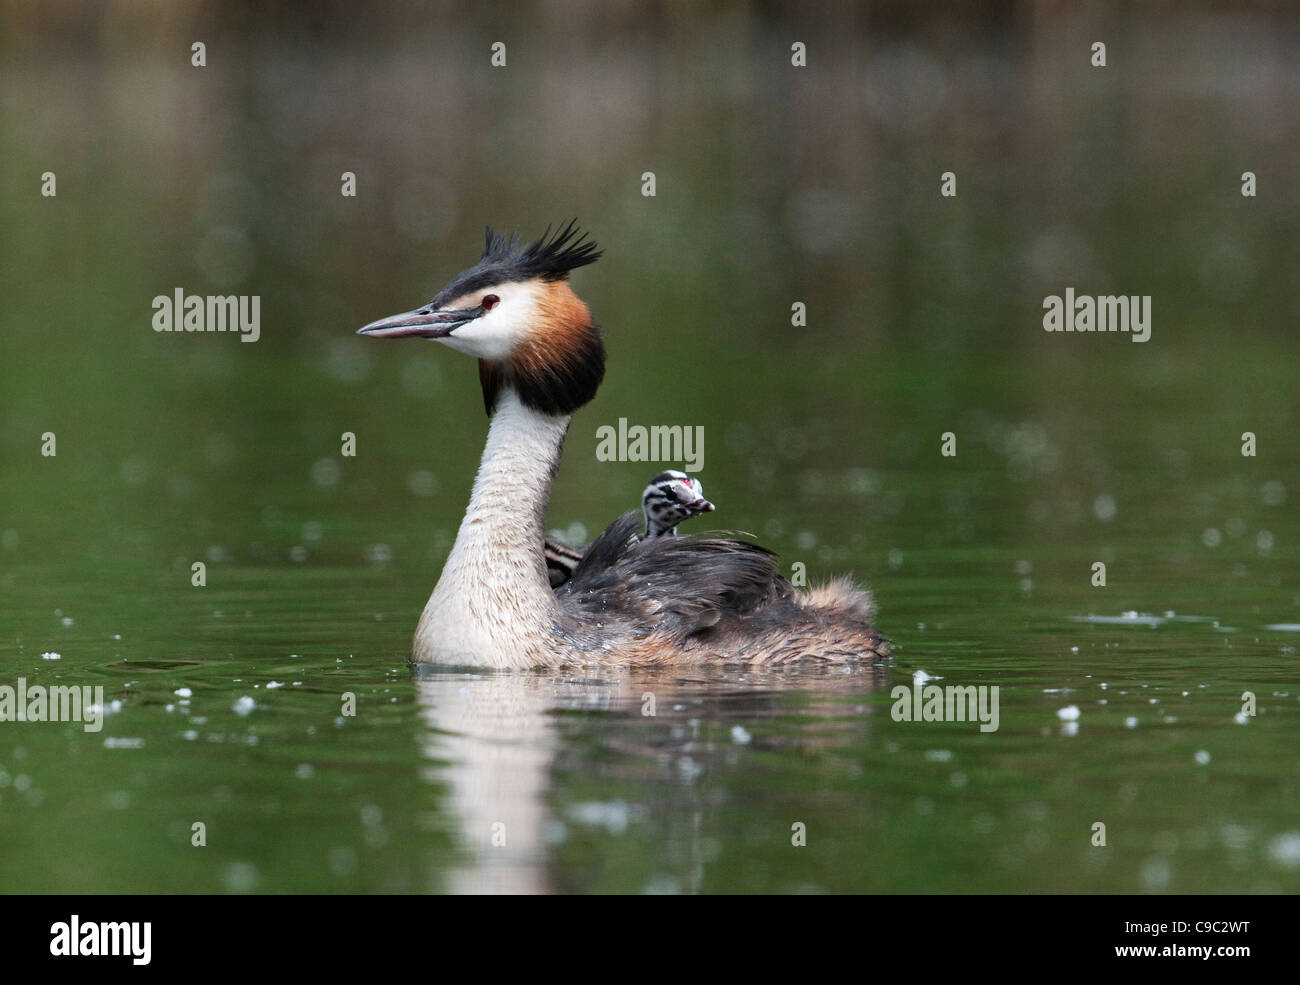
(493, 605)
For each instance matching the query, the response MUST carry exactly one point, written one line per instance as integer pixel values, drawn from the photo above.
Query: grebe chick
(649, 600)
(671, 498)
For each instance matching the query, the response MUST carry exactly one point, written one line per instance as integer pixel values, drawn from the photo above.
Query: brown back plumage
(700, 597)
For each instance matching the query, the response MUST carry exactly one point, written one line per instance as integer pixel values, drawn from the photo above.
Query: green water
(226, 700)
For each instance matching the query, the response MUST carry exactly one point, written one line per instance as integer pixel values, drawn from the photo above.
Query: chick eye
(490, 301)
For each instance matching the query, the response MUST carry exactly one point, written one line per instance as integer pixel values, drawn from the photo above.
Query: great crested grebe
(671, 498)
(630, 600)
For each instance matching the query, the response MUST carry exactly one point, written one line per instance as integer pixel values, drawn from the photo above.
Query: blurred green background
(774, 184)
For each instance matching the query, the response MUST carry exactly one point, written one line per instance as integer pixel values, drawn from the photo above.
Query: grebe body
(632, 598)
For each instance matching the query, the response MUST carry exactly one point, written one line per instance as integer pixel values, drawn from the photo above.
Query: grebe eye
(490, 301)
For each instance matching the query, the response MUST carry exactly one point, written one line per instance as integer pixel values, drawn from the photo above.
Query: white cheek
(495, 335)
(483, 338)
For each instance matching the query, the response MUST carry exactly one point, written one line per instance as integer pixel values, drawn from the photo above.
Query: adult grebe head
(516, 313)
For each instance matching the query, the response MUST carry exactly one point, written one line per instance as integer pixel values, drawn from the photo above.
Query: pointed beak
(702, 506)
(424, 323)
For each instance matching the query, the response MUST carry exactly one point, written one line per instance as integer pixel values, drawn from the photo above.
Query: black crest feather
(550, 257)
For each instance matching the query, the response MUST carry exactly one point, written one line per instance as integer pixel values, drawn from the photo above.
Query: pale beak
(424, 323)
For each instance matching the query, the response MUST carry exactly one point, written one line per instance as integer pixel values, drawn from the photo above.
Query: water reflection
(495, 739)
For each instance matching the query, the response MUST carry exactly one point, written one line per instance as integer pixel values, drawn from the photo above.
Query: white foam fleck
(613, 816)
(1285, 849)
(240, 877)
(1123, 619)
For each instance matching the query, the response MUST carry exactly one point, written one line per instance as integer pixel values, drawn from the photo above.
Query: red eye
(490, 301)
